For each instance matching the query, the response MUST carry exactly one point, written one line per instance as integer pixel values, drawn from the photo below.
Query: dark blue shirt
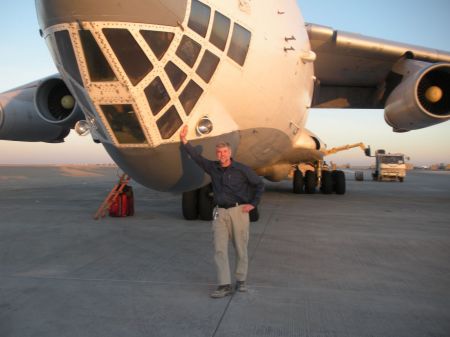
(236, 183)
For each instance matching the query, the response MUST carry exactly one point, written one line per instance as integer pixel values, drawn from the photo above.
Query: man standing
(237, 190)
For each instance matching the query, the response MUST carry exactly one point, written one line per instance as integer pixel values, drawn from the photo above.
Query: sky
(24, 58)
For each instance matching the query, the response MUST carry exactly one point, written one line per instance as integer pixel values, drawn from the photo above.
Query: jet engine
(422, 98)
(56, 105)
(42, 111)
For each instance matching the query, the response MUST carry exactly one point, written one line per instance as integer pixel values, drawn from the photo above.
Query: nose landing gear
(199, 204)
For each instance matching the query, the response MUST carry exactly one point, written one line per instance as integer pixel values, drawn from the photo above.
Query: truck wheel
(339, 182)
(189, 202)
(310, 182)
(297, 182)
(205, 203)
(401, 179)
(327, 183)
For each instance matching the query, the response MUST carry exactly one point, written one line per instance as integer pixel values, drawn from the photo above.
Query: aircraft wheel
(326, 183)
(205, 203)
(298, 182)
(189, 202)
(254, 215)
(310, 182)
(339, 182)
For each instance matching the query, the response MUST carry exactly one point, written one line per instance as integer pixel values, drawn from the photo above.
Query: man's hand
(247, 208)
(183, 133)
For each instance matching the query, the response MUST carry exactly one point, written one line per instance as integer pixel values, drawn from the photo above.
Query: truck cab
(389, 166)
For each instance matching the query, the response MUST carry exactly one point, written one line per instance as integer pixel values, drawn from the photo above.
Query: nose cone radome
(160, 12)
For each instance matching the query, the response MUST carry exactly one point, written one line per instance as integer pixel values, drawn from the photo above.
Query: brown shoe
(241, 286)
(222, 291)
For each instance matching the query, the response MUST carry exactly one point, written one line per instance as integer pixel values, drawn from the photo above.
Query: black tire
(401, 179)
(298, 182)
(310, 182)
(205, 203)
(189, 201)
(254, 215)
(326, 185)
(338, 182)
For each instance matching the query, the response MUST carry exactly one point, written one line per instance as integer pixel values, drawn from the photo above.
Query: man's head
(223, 153)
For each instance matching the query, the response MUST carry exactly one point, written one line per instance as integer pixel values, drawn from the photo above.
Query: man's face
(223, 155)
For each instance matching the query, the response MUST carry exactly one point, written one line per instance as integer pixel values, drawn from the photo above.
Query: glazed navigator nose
(160, 12)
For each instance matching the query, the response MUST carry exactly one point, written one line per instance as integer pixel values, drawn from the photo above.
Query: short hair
(223, 144)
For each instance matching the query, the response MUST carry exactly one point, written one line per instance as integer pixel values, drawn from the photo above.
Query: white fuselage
(259, 106)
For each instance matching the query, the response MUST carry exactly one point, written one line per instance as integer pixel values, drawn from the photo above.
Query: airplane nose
(160, 12)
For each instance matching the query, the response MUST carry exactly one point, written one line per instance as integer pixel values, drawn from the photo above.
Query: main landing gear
(199, 204)
(327, 181)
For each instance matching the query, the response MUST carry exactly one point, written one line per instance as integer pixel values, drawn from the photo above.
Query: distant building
(440, 167)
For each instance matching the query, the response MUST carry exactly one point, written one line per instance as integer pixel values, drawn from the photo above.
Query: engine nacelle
(42, 111)
(422, 98)
(55, 104)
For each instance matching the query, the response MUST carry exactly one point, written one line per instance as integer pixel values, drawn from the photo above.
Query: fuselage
(139, 70)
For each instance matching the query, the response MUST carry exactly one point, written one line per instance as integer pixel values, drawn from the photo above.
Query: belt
(229, 206)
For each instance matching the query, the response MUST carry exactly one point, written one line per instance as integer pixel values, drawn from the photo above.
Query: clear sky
(24, 58)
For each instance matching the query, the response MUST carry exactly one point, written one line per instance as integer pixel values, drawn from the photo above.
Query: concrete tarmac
(374, 262)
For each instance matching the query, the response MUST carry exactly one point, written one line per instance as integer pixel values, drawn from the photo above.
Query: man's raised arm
(204, 163)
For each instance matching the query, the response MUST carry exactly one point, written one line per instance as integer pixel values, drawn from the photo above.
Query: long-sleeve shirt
(236, 183)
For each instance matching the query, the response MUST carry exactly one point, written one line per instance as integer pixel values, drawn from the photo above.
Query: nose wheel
(199, 204)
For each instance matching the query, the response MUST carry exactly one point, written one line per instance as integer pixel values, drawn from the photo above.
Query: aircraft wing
(356, 71)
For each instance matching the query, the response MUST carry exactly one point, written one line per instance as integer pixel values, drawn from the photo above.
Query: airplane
(133, 72)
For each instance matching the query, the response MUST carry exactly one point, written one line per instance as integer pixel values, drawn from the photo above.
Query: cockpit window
(159, 42)
(157, 95)
(67, 54)
(188, 51)
(98, 67)
(124, 123)
(240, 42)
(207, 66)
(169, 123)
(175, 74)
(220, 30)
(190, 96)
(129, 53)
(199, 18)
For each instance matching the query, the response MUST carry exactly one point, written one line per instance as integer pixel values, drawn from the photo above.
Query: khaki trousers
(232, 224)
